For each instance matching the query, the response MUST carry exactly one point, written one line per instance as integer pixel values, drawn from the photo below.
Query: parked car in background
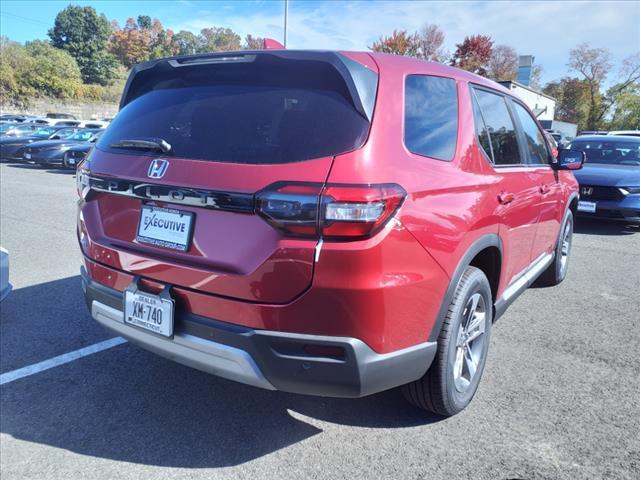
(10, 147)
(17, 129)
(559, 138)
(627, 133)
(592, 132)
(58, 115)
(553, 145)
(9, 117)
(55, 122)
(5, 285)
(93, 124)
(76, 153)
(51, 152)
(610, 179)
(247, 214)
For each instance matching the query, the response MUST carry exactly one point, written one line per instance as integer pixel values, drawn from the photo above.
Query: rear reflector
(335, 212)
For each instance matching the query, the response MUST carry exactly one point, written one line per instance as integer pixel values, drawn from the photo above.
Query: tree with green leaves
(594, 64)
(36, 69)
(144, 22)
(253, 43)
(571, 96)
(218, 39)
(186, 42)
(625, 113)
(15, 64)
(161, 41)
(84, 34)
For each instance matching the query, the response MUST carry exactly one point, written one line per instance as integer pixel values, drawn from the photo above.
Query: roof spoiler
(361, 81)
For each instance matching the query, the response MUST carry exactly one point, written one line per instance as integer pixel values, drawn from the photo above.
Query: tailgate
(199, 139)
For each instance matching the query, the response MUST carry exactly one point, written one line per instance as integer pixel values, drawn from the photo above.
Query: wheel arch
(572, 202)
(482, 254)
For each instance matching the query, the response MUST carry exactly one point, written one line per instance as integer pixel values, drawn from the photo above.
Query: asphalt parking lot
(560, 397)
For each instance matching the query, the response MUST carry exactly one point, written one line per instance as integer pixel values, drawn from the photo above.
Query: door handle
(505, 198)
(544, 189)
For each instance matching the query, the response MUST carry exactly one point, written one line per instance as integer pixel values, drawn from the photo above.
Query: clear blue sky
(545, 29)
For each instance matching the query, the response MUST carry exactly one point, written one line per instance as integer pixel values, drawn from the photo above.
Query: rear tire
(463, 343)
(557, 271)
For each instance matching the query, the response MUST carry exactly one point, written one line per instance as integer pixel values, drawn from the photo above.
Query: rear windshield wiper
(153, 144)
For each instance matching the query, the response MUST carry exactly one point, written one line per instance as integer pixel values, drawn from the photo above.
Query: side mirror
(56, 137)
(569, 160)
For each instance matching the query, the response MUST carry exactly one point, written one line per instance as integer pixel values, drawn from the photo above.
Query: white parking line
(60, 360)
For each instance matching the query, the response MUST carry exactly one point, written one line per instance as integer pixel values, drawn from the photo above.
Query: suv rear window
(244, 113)
(431, 116)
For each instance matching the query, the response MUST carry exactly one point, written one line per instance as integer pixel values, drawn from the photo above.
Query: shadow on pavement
(129, 405)
(590, 226)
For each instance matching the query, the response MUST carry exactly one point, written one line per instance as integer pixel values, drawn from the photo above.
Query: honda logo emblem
(587, 191)
(158, 168)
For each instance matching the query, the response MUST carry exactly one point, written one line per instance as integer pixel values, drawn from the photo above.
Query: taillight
(291, 207)
(335, 212)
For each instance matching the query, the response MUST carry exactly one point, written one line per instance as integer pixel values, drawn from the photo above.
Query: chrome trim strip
(318, 249)
(195, 197)
(211, 357)
(528, 275)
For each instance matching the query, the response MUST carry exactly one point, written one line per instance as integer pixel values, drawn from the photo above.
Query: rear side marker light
(333, 212)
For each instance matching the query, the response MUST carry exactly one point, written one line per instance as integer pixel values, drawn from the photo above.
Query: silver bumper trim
(211, 357)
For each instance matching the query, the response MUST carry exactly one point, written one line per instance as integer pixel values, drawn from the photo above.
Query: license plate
(584, 206)
(27, 156)
(165, 227)
(71, 161)
(149, 312)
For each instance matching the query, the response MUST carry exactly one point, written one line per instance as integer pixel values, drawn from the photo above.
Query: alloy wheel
(470, 342)
(565, 248)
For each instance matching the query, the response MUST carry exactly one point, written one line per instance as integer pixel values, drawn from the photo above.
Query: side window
(431, 116)
(481, 128)
(536, 144)
(500, 128)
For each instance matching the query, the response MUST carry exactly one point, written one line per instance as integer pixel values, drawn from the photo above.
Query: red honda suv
(325, 223)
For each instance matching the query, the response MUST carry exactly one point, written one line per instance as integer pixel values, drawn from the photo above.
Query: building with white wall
(542, 105)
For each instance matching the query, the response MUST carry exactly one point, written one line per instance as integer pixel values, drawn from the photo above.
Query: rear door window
(497, 128)
(536, 146)
(245, 113)
(431, 116)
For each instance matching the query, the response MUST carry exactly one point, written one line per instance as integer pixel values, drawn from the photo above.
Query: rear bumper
(267, 359)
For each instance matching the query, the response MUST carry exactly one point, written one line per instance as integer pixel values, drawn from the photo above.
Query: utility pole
(286, 12)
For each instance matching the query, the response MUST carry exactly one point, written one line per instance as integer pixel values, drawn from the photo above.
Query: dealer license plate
(589, 207)
(165, 227)
(149, 312)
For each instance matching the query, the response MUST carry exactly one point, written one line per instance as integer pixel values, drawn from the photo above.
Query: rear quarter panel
(449, 205)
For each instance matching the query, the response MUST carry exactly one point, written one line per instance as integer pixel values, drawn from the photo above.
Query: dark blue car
(610, 179)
